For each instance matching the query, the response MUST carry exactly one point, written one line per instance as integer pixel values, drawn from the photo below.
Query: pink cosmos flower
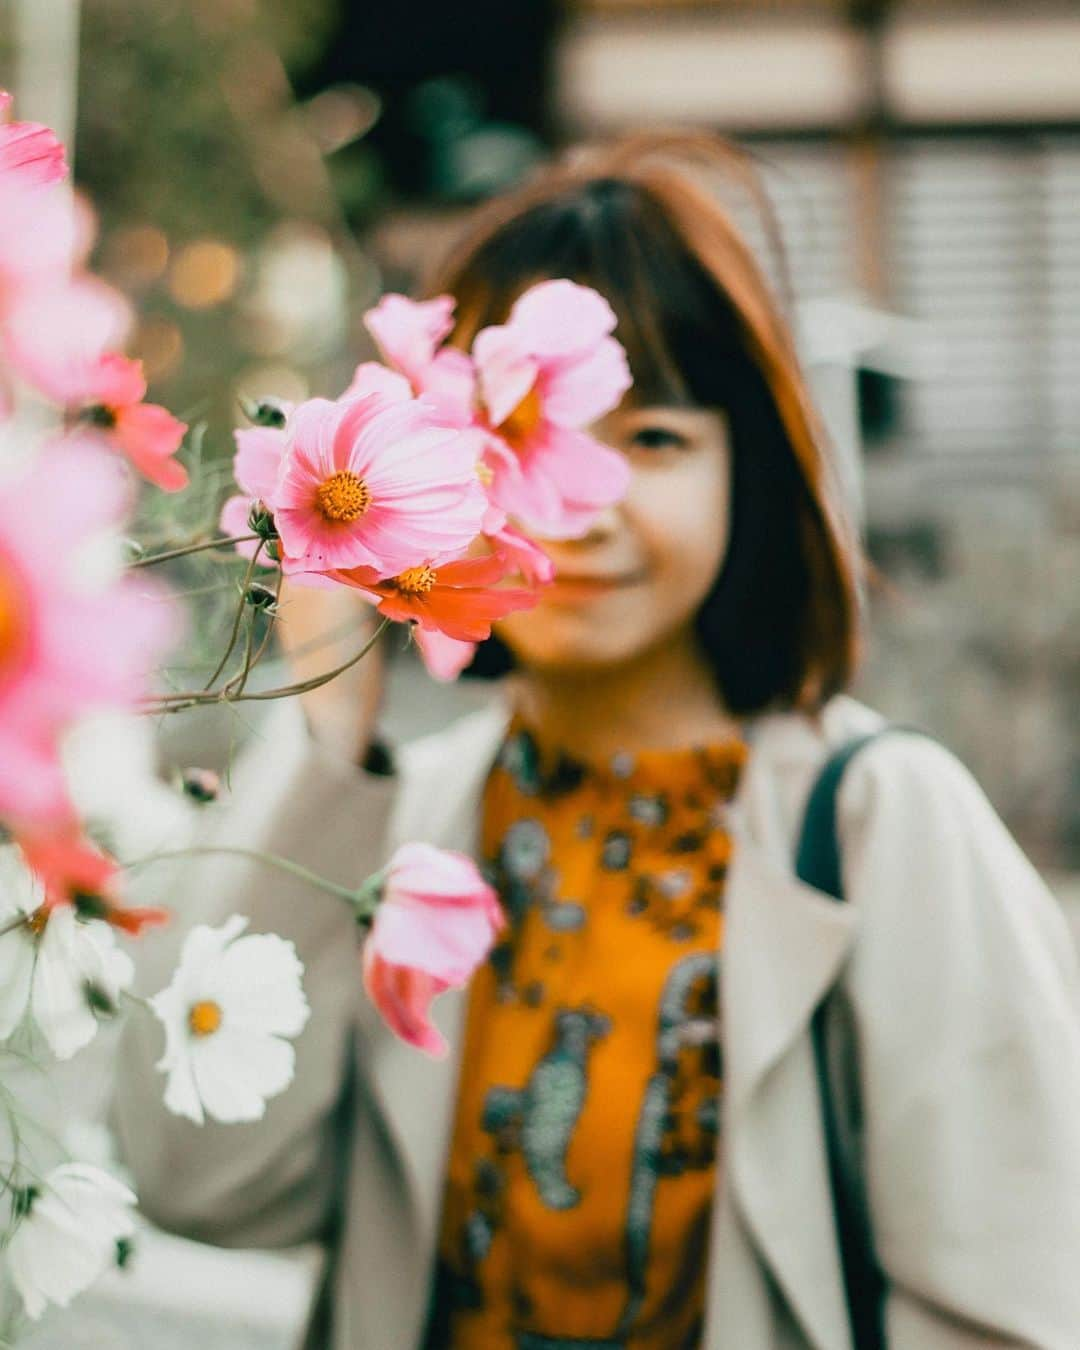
(552, 369)
(146, 433)
(69, 643)
(434, 925)
(370, 483)
(410, 334)
(60, 338)
(28, 149)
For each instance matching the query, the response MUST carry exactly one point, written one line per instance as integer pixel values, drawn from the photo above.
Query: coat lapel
(784, 946)
(440, 804)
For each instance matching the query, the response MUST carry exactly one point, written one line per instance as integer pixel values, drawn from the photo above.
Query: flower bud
(264, 412)
(261, 521)
(261, 597)
(201, 785)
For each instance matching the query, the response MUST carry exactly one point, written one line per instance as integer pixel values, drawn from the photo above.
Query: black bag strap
(818, 863)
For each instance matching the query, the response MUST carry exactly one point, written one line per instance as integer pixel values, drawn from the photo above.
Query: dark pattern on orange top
(582, 1165)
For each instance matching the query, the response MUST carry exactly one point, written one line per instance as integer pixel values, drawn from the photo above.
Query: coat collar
(784, 946)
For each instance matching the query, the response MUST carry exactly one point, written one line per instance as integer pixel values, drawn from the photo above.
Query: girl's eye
(657, 438)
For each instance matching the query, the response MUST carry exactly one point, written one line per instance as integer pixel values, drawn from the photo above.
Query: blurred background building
(264, 169)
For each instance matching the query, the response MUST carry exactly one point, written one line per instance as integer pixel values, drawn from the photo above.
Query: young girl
(624, 1149)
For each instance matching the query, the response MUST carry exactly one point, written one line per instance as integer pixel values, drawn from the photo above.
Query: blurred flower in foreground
(435, 922)
(550, 370)
(68, 1234)
(54, 612)
(62, 338)
(62, 966)
(29, 149)
(371, 483)
(231, 1002)
(74, 872)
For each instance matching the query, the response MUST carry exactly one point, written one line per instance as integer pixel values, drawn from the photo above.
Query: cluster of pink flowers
(422, 487)
(417, 485)
(75, 636)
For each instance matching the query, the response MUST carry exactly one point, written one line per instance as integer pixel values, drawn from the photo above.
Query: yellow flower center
(343, 497)
(415, 580)
(485, 473)
(204, 1018)
(12, 620)
(523, 421)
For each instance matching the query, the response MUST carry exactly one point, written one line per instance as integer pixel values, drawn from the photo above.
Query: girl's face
(641, 573)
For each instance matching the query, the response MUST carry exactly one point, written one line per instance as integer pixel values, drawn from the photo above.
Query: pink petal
(234, 520)
(33, 785)
(257, 461)
(506, 370)
(446, 941)
(403, 997)
(149, 435)
(444, 657)
(58, 338)
(585, 472)
(117, 382)
(559, 318)
(450, 382)
(581, 391)
(522, 488)
(372, 378)
(39, 235)
(531, 560)
(310, 432)
(409, 331)
(421, 869)
(32, 152)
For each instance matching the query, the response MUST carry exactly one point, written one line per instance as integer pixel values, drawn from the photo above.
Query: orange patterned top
(583, 1155)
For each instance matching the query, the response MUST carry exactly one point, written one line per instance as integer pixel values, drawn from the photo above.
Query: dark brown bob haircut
(701, 326)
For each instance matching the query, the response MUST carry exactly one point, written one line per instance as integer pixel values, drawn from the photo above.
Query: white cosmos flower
(68, 1237)
(230, 1003)
(50, 962)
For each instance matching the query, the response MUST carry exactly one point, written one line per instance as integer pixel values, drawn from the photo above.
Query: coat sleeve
(965, 990)
(271, 1182)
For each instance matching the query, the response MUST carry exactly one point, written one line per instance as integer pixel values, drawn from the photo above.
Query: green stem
(191, 548)
(271, 859)
(237, 617)
(166, 703)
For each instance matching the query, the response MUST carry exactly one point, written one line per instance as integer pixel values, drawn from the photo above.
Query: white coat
(957, 963)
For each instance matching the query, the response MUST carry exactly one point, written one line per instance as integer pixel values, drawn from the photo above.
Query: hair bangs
(679, 332)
